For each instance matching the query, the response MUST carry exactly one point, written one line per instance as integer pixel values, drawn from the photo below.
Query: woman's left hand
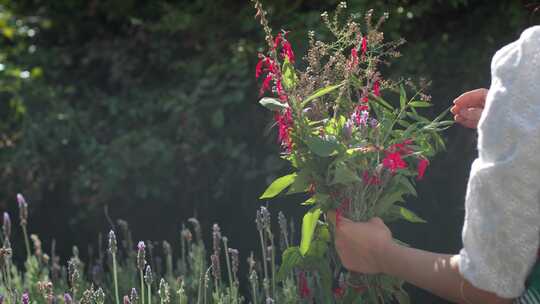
(360, 245)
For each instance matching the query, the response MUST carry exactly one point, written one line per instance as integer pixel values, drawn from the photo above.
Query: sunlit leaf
(309, 222)
(320, 92)
(278, 185)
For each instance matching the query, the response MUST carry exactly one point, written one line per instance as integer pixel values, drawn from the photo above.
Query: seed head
(235, 260)
(216, 238)
(167, 248)
(6, 225)
(216, 268)
(113, 247)
(164, 293)
(134, 297)
(99, 296)
(148, 277)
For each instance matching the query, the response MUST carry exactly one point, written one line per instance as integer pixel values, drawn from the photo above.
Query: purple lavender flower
(1, 299)
(67, 298)
(25, 298)
(141, 255)
(373, 122)
(216, 238)
(21, 200)
(6, 226)
(348, 129)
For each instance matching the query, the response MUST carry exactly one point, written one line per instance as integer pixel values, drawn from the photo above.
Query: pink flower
(394, 162)
(364, 46)
(422, 165)
(377, 88)
(402, 148)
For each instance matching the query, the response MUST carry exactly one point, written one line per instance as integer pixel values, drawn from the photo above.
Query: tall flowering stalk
(113, 249)
(352, 149)
(23, 216)
(141, 262)
(149, 278)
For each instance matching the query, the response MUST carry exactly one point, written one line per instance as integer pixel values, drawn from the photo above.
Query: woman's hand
(360, 245)
(468, 107)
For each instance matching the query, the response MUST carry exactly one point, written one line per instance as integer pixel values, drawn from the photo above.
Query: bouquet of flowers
(351, 147)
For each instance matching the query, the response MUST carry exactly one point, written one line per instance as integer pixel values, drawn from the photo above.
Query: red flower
(284, 123)
(277, 41)
(377, 88)
(394, 162)
(354, 58)
(287, 51)
(365, 99)
(402, 148)
(339, 292)
(266, 84)
(422, 165)
(303, 287)
(259, 67)
(280, 91)
(370, 179)
(364, 46)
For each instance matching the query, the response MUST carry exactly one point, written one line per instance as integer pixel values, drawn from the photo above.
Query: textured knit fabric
(501, 231)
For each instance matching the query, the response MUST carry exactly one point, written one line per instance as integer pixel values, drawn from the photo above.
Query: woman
(502, 222)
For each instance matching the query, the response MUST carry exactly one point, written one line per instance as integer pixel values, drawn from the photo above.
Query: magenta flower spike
(25, 298)
(67, 298)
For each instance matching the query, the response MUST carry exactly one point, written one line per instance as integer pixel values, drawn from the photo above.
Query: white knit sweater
(502, 221)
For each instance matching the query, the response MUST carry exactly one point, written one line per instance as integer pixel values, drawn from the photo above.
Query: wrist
(386, 255)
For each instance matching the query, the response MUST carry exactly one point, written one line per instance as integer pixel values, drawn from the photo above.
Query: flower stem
(142, 286)
(263, 245)
(149, 289)
(26, 242)
(115, 278)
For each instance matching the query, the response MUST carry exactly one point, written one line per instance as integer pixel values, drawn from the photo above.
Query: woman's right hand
(468, 107)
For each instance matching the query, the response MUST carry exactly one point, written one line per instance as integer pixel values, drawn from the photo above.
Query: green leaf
(300, 184)
(320, 92)
(289, 75)
(291, 258)
(272, 104)
(406, 214)
(402, 97)
(420, 104)
(344, 175)
(387, 201)
(385, 104)
(309, 222)
(318, 198)
(321, 147)
(405, 182)
(278, 185)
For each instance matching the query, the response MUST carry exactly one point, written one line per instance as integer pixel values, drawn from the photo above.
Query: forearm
(436, 273)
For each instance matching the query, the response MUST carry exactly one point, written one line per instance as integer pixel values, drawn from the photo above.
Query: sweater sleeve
(502, 206)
